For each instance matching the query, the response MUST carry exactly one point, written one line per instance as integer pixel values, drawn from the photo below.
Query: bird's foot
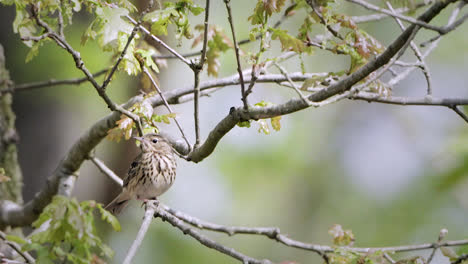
(151, 200)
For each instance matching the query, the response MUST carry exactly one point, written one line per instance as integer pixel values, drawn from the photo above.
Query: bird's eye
(155, 141)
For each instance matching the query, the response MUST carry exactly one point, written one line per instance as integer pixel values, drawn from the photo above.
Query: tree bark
(10, 188)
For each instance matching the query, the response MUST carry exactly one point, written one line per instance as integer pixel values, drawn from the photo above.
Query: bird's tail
(119, 203)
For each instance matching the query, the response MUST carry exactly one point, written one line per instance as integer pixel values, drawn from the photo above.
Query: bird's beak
(139, 138)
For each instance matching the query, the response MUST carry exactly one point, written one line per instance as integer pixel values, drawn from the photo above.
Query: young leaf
(275, 123)
(341, 237)
(288, 42)
(109, 218)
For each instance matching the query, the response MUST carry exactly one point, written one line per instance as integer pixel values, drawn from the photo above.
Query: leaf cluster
(173, 13)
(67, 232)
(148, 118)
(263, 126)
(217, 43)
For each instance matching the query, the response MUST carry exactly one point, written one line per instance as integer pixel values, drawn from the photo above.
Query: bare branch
(196, 71)
(28, 258)
(186, 229)
(418, 22)
(396, 100)
(451, 21)
(388, 258)
(459, 112)
(48, 83)
(145, 70)
(417, 53)
(149, 212)
(460, 259)
(171, 50)
(380, 16)
(441, 236)
(236, 50)
(104, 169)
(295, 87)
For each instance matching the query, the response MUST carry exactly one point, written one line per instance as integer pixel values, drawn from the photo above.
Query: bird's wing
(133, 170)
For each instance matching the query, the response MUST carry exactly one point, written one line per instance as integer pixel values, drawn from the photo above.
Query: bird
(151, 173)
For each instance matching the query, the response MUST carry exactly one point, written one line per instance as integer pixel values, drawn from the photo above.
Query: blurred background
(392, 174)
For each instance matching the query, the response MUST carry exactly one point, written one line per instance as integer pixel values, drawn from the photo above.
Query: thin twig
(48, 83)
(460, 259)
(196, 72)
(400, 16)
(171, 50)
(60, 22)
(129, 40)
(417, 53)
(104, 169)
(275, 234)
(149, 212)
(156, 86)
(388, 258)
(188, 230)
(28, 258)
(451, 21)
(380, 16)
(315, 7)
(296, 88)
(428, 51)
(236, 50)
(459, 112)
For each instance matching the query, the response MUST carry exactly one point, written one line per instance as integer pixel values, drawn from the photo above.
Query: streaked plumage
(151, 173)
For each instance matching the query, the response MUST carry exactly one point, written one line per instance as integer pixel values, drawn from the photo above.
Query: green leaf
(16, 239)
(262, 103)
(244, 124)
(109, 25)
(259, 16)
(173, 13)
(275, 123)
(146, 57)
(109, 218)
(288, 42)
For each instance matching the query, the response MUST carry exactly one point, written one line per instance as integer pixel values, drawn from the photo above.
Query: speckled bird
(151, 174)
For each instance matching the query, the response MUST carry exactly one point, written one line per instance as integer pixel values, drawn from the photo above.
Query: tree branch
(417, 53)
(28, 258)
(48, 83)
(145, 70)
(236, 50)
(413, 21)
(104, 169)
(197, 67)
(187, 230)
(150, 209)
(171, 50)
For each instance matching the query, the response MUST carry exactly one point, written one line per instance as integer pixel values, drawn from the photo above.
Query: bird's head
(154, 143)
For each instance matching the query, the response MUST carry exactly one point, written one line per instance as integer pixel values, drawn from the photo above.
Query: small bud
(443, 232)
